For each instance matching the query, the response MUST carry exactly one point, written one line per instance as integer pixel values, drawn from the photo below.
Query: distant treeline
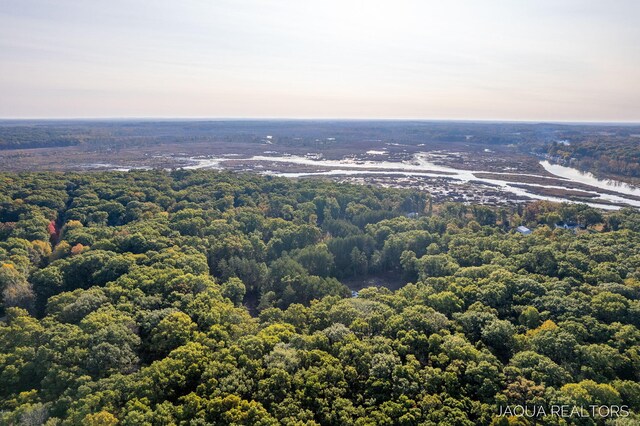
(17, 134)
(604, 155)
(35, 137)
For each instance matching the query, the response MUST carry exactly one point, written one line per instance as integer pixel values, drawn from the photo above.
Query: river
(421, 165)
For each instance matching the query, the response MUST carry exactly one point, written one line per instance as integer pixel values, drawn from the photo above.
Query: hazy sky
(476, 59)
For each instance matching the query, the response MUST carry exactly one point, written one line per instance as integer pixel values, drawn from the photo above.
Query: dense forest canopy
(206, 298)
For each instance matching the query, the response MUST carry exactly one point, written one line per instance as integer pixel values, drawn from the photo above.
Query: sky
(543, 60)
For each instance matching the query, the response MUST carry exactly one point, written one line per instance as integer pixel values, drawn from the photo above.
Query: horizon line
(344, 119)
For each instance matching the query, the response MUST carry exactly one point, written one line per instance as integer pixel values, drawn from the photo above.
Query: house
(523, 230)
(567, 225)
